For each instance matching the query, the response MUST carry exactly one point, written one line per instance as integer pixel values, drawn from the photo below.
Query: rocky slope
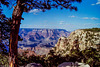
(79, 39)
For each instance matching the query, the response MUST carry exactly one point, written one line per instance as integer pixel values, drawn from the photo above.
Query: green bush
(3, 59)
(92, 29)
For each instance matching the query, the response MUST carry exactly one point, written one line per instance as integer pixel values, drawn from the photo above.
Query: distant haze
(43, 37)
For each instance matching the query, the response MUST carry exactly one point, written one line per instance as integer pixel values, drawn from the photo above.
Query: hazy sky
(87, 16)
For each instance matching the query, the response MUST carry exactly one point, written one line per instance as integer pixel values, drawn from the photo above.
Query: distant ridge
(31, 35)
(40, 39)
(43, 29)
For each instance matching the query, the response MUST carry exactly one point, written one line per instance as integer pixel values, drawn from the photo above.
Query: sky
(87, 16)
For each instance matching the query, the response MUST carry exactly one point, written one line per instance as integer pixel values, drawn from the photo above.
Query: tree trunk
(15, 25)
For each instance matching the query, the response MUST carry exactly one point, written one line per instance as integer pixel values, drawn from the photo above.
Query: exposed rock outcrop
(26, 52)
(79, 39)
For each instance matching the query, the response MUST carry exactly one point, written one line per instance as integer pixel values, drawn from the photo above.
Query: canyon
(40, 40)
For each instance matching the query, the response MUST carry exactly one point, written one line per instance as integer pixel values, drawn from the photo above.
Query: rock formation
(79, 39)
(26, 52)
(40, 40)
(43, 37)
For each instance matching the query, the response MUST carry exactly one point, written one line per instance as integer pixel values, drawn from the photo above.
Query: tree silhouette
(4, 35)
(24, 6)
(4, 28)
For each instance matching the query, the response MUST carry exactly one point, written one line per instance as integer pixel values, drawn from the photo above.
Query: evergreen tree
(24, 6)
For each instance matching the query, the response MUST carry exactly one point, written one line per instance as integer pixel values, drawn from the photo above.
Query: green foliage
(3, 59)
(22, 60)
(92, 56)
(3, 48)
(92, 29)
(45, 61)
(42, 4)
(4, 22)
(4, 28)
(52, 60)
(4, 2)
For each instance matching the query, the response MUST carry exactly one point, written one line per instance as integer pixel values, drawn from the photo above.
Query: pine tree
(25, 6)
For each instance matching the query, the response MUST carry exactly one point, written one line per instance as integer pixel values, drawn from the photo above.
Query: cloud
(85, 18)
(35, 11)
(92, 4)
(72, 16)
(61, 22)
(92, 18)
(97, 3)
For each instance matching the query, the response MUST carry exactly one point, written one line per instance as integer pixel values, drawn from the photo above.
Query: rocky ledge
(79, 39)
